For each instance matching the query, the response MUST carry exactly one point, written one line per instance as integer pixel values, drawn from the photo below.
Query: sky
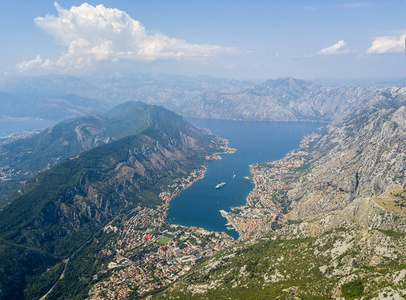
(236, 39)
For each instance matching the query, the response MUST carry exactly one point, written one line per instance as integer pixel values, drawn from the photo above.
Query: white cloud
(36, 63)
(388, 44)
(96, 33)
(335, 49)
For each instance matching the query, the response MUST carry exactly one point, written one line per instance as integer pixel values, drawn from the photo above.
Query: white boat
(220, 185)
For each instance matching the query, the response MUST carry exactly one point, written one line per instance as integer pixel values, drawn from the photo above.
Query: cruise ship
(220, 185)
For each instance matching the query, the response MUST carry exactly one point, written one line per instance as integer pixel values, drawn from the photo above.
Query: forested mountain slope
(61, 209)
(21, 159)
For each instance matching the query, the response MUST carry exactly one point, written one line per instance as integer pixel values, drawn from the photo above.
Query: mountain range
(284, 99)
(68, 190)
(109, 165)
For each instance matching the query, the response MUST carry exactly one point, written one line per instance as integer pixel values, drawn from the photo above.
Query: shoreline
(195, 175)
(262, 201)
(180, 255)
(185, 183)
(230, 220)
(259, 207)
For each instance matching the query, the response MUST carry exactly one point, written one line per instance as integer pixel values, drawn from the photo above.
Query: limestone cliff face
(362, 156)
(345, 234)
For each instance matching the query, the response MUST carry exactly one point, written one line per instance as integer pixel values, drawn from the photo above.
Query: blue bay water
(7, 127)
(255, 142)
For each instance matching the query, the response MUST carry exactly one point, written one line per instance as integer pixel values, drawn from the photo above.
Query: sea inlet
(256, 142)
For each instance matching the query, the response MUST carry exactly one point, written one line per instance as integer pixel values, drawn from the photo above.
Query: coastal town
(18, 135)
(264, 201)
(146, 253)
(181, 184)
(149, 253)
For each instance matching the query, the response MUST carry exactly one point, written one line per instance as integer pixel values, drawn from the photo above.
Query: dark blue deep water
(255, 142)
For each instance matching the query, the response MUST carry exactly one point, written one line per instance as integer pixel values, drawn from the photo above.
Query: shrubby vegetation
(352, 289)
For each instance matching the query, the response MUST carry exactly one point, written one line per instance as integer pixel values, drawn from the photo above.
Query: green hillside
(61, 209)
(26, 157)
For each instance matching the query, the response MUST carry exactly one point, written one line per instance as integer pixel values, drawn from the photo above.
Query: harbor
(231, 222)
(200, 204)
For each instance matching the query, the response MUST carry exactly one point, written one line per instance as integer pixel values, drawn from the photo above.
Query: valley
(86, 202)
(216, 150)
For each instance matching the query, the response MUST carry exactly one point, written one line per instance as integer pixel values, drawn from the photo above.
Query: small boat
(220, 185)
(233, 176)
